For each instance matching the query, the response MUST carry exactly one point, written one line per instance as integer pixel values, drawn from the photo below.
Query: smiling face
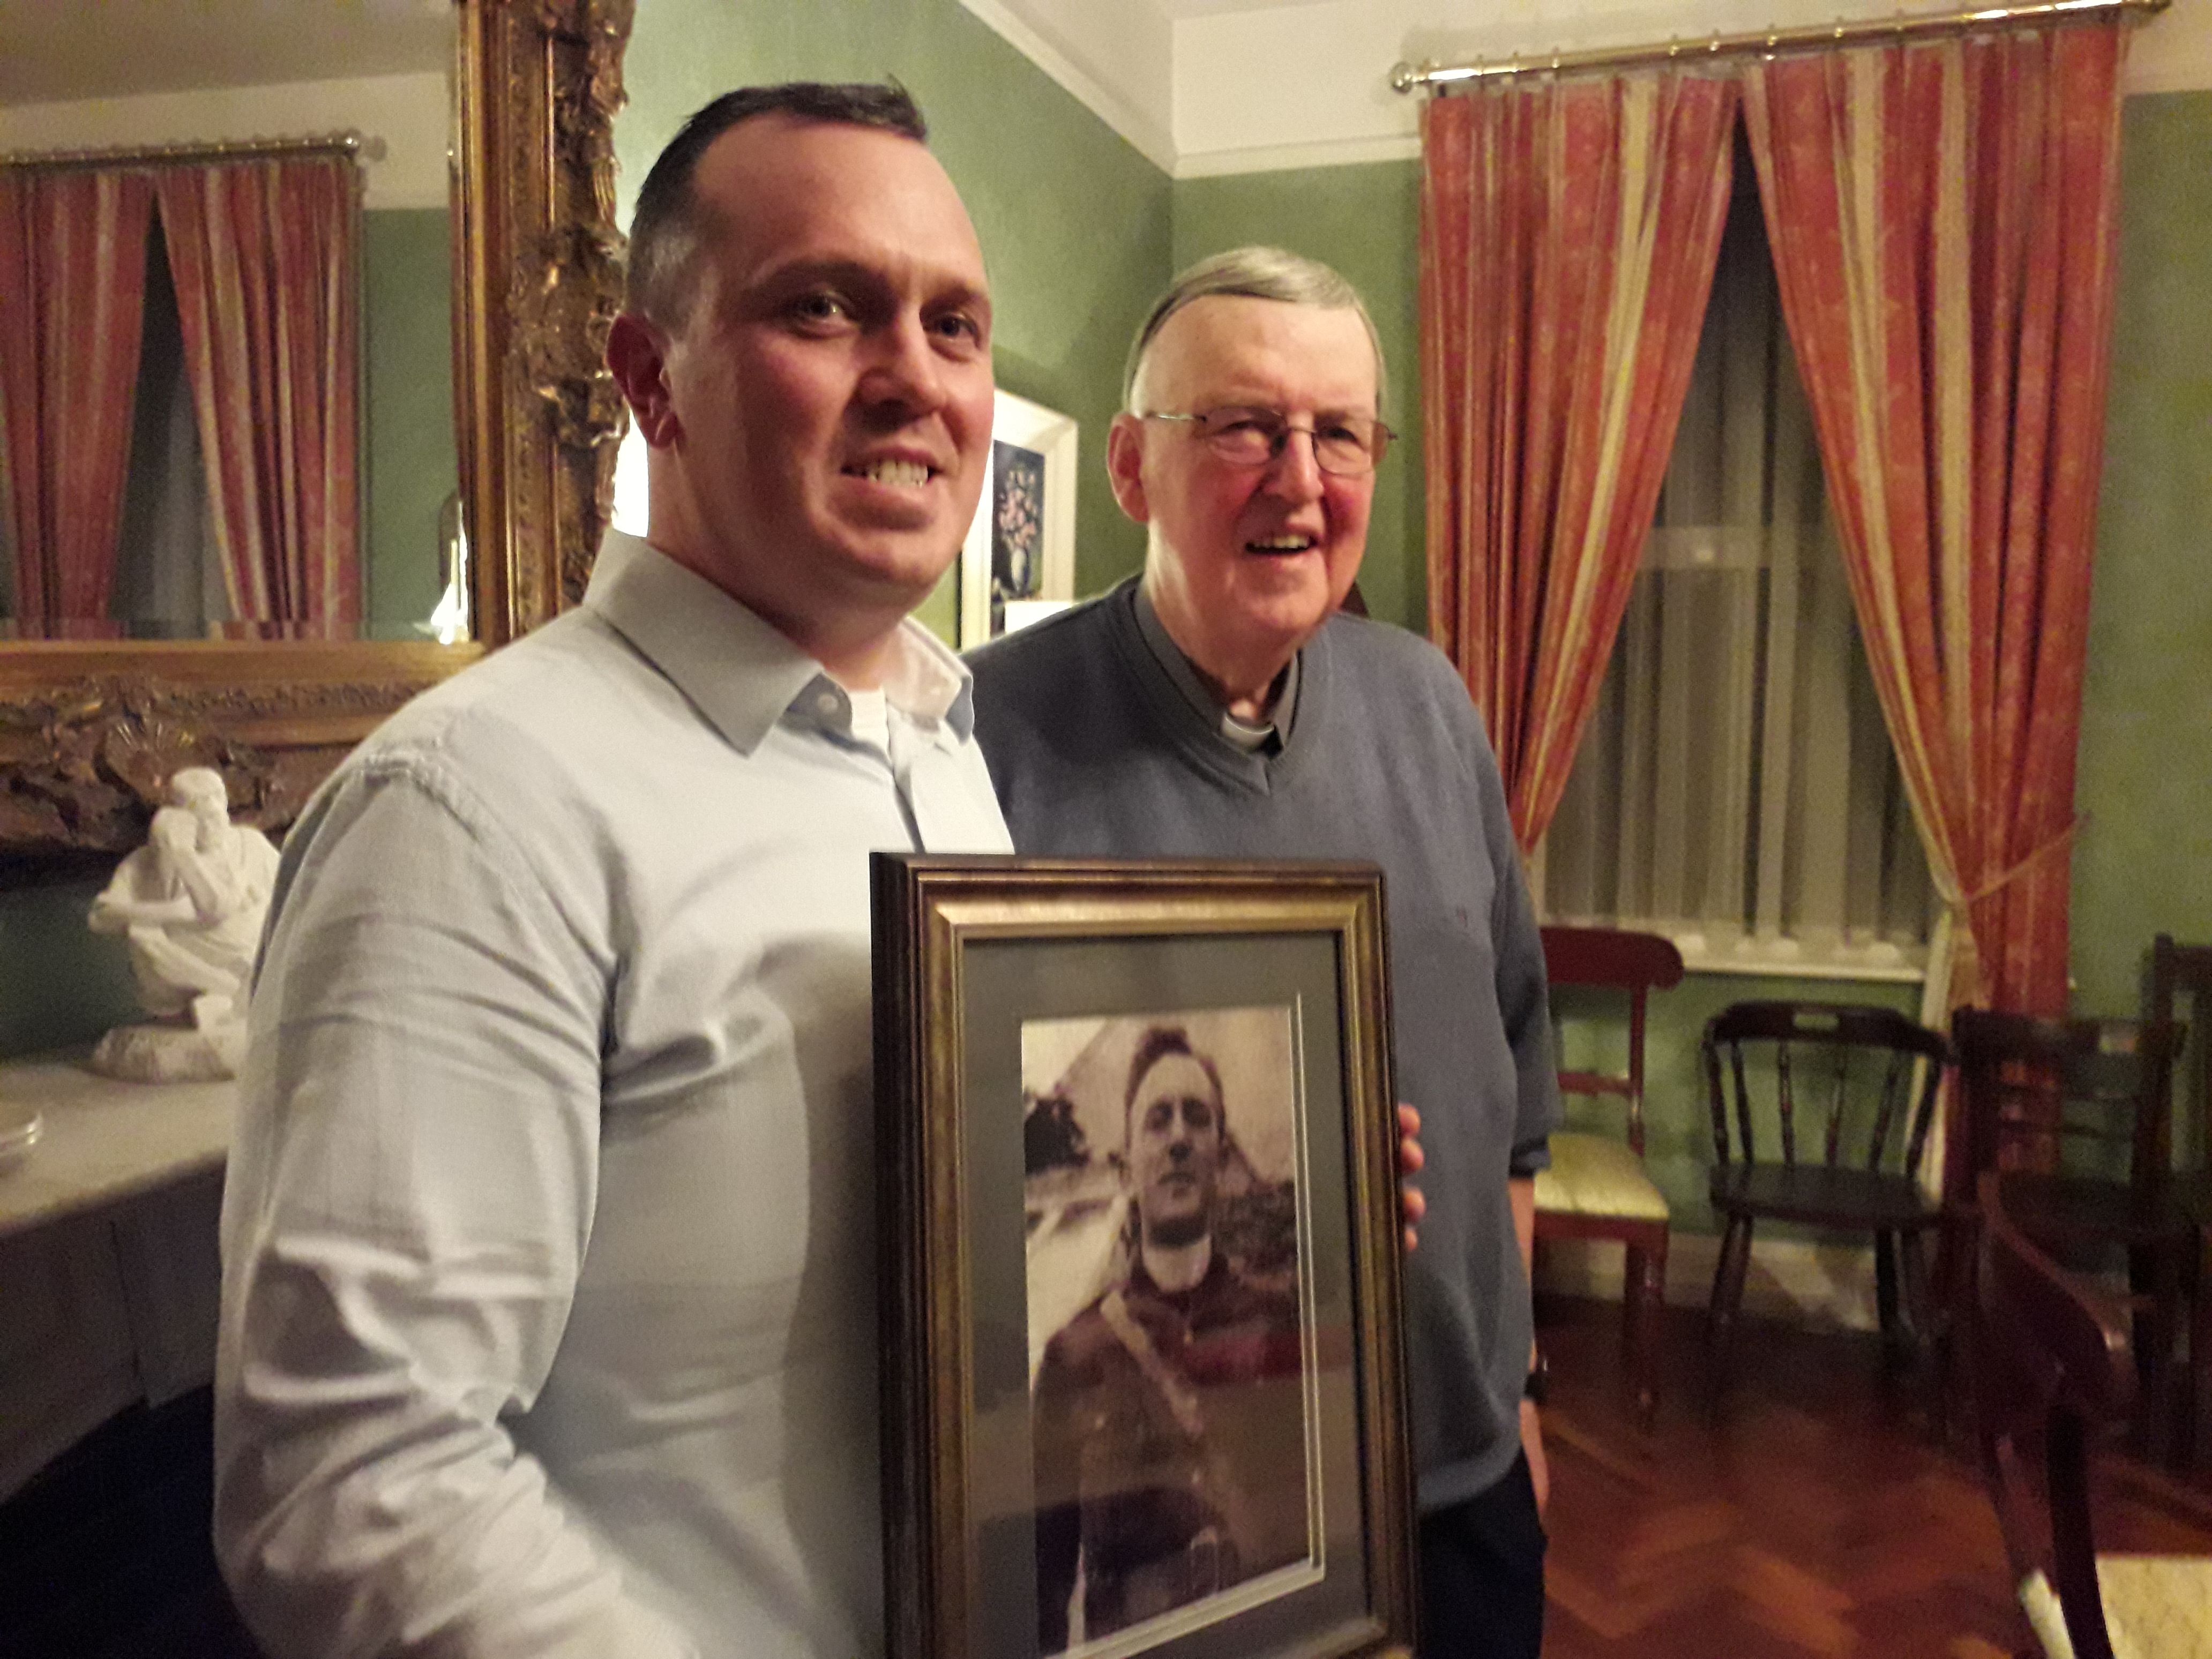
(1175, 1150)
(1246, 562)
(820, 415)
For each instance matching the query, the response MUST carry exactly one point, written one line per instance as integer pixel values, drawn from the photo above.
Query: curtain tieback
(1961, 903)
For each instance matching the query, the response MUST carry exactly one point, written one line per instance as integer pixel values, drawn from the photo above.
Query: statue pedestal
(159, 1053)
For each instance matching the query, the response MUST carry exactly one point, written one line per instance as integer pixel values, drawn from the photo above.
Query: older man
(1163, 1409)
(1221, 705)
(548, 1315)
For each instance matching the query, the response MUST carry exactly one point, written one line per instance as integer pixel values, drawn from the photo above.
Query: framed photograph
(1141, 1376)
(1018, 561)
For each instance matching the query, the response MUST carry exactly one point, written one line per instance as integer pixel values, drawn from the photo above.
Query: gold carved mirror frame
(89, 733)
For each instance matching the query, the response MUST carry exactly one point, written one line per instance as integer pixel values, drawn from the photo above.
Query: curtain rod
(353, 143)
(1405, 77)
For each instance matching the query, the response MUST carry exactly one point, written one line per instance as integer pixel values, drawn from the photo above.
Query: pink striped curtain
(72, 307)
(1943, 223)
(1568, 232)
(263, 254)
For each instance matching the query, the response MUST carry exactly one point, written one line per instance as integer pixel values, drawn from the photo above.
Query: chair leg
(2198, 1427)
(1884, 1297)
(1959, 1340)
(2155, 1274)
(1923, 1322)
(1728, 1300)
(1643, 1295)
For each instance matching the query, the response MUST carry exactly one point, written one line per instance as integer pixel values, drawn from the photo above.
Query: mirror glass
(360, 537)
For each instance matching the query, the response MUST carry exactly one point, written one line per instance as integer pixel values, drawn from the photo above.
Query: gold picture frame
(89, 732)
(1028, 1013)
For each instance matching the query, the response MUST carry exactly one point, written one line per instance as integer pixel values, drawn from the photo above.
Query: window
(1736, 789)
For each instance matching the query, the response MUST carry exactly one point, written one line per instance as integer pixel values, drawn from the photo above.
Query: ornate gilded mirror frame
(89, 732)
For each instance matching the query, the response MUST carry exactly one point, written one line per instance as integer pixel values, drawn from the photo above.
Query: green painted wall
(407, 299)
(2143, 860)
(1074, 222)
(1365, 221)
(60, 985)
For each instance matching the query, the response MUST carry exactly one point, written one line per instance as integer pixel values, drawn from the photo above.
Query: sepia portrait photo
(1173, 1408)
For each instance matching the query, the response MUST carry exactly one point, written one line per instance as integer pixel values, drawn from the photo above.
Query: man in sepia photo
(1169, 1415)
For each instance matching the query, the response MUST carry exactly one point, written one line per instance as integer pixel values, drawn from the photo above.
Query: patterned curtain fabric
(264, 255)
(1568, 236)
(1942, 219)
(1736, 784)
(72, 304)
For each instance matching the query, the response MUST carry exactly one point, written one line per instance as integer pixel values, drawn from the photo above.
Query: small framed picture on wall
(1018, 563)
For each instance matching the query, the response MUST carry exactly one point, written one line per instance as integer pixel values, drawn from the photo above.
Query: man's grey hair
(1252, 273)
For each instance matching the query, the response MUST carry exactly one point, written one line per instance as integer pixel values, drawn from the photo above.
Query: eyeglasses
(1343, 446)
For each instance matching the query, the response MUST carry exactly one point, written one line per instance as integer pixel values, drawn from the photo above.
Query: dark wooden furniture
(2186, 970)
(1851, 1089)
(2177, 970)
(2078, 1112)
(2054, 1367)
(1596, 1187)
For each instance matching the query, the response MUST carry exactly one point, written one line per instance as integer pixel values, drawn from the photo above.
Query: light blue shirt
(549, 1243)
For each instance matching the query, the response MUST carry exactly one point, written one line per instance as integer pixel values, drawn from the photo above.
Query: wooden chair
(2179, 969)
(2054, 1368)
(2039, 1095)
(1856, 1085)
(2186, 970)
(1596, 1187)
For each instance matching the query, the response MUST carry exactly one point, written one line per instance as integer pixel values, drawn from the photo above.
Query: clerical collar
(1270, 736)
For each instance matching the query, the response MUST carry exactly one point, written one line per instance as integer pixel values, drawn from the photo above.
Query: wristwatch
(1538, 1386)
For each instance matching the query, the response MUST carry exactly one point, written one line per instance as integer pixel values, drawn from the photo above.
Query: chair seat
(1820, 1196)
(2156, 1607)
(1592, 1176)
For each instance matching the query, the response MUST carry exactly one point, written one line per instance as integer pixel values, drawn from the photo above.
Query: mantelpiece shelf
(105, 1141)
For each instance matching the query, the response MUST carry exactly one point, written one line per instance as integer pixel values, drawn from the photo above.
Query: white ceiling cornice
(1288, 158)
(1217, 87)
(1122, 93)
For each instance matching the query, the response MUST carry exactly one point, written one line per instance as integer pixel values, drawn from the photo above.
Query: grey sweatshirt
(1096, 749)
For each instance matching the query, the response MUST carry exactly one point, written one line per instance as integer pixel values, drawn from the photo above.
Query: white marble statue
(190, 904)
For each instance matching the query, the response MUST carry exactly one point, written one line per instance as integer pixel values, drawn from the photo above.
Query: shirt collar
(1179, 669)
(738, 669)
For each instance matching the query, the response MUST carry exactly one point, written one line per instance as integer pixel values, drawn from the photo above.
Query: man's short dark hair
(666, 230)
(1161, 1042)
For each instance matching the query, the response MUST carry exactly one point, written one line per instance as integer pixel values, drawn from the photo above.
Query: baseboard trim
(1820, 1285)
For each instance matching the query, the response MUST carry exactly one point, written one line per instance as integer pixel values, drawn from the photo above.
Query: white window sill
(1881, 963)
(1878, 962)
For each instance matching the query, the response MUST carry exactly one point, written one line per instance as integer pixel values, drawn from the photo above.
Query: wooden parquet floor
(1812, 1516)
